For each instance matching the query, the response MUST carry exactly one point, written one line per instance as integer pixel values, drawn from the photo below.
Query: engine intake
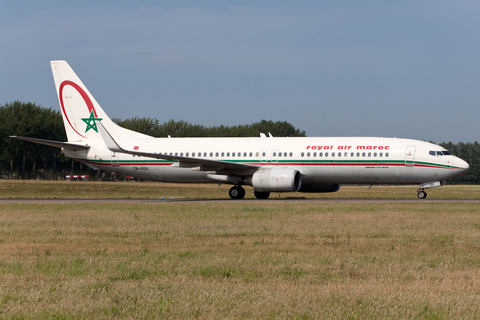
(276, 179)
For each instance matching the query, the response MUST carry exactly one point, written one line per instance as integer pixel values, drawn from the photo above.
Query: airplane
(268, 164)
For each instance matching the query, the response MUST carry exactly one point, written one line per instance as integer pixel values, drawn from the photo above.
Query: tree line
(26, 160)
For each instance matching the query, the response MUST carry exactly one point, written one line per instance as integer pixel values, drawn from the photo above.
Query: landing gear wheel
(236, 192)
(421, 194)
(261, 195)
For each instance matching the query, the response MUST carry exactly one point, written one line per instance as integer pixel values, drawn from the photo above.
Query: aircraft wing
(199, 164)
(52, 143)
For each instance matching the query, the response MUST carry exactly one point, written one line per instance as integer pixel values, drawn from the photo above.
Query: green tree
(185, 129)
(28, 159)
(469, 152)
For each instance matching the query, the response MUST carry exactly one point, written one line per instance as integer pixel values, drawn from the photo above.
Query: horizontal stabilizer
(58, 144)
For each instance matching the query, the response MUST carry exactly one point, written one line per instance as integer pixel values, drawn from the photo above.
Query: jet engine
(276, 179)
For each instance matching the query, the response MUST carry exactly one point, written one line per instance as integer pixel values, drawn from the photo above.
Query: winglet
(111, 144)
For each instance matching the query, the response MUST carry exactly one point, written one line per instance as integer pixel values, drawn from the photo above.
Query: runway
(249, 201)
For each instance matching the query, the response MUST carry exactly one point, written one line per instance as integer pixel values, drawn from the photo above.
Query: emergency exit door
(410, 156)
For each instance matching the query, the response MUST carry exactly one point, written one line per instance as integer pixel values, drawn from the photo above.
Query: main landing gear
(421, 194)
(236, 192)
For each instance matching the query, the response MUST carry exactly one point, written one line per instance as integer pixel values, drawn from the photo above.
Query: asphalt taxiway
(250, 201)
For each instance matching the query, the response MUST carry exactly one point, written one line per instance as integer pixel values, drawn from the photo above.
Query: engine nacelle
(320, 188)
(276, 179)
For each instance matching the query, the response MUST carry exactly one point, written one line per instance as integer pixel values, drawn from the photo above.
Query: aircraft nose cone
(462, 164)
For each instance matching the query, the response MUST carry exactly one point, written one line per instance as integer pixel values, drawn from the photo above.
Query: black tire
(261, 195)
(242, 192)
(421, 194)
(236, 193)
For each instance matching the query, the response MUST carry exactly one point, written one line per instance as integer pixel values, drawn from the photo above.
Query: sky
(332, 68)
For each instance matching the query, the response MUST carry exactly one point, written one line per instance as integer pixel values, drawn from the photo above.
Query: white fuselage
(339, 160)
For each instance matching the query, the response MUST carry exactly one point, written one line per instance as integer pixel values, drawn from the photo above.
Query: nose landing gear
(421, 194)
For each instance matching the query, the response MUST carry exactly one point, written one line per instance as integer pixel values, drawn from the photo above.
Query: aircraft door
(115, 159)
(410, 156)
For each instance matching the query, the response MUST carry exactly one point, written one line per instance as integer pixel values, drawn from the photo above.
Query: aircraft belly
(369, 175)
(329, 174)
(129, 171)
(184, 175)
(419, 175)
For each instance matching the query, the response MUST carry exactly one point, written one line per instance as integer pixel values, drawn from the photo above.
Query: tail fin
(80, 110)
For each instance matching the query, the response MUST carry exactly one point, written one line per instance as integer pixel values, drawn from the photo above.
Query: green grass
(240, 260)
(155, 190)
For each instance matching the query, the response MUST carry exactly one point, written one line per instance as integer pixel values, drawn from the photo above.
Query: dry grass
(234, 260)
(155, 190)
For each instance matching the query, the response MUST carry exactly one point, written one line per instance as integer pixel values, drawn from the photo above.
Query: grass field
(238, 260)
(155, 190)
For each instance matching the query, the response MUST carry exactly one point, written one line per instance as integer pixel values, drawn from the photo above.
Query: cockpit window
(439, 153)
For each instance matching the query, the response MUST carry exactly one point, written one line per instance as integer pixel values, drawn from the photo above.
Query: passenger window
(358, 154)
(333, 154)
(369, 154)
(251, 154)
(352, 154)
(186, 155)
(314, 154)
(291, 154)
(363, 154)
(381, 154)
(257, 154)
(339, 154)
(320, 154)
(263, 154)
(216, 154)
(274, 154)
(245, 154)
(279, 154)
(326, 154)
(228, 154)
(346, 154)
(374, 154)
(302, 154)
(284, 154)
(233, 154)
(308, 154)
(387, 154)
